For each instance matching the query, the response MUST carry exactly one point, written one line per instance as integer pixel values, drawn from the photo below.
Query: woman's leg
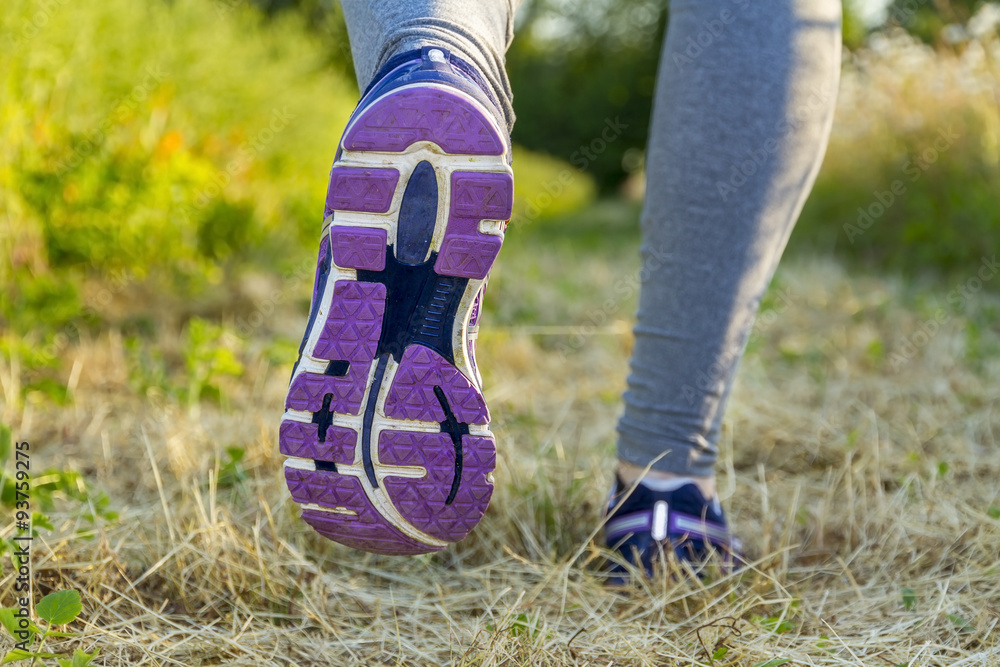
(743, 109)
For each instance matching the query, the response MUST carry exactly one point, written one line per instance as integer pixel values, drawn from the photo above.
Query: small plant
(231, 471)
(775, 624)
(147, 369)
(49, 488)
(961, 625)
(36, 358)
(53, 484)
(526, 625)
(55, 609)
(208, 355)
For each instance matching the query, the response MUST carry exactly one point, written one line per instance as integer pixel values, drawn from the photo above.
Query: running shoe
(385, 430)
(645, 523)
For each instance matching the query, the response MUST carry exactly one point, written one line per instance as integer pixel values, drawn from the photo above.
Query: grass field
(159, 200)
(860, 471)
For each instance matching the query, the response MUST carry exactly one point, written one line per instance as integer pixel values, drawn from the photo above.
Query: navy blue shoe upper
(643, 523)
(432, 64)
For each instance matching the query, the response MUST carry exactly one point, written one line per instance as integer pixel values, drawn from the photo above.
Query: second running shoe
(650, 519)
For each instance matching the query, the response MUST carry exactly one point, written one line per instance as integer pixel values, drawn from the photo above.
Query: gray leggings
(743, 109)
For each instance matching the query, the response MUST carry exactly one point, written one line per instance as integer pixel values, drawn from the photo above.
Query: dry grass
(832, 474)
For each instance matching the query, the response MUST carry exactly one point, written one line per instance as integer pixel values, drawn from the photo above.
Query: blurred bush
(153, 153)
(164, 144)
(912, 175)
(547, 188)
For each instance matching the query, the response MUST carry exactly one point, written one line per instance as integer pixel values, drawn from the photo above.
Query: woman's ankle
(629, 473)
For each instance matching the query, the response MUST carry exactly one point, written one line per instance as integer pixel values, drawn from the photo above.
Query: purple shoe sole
(386, 429)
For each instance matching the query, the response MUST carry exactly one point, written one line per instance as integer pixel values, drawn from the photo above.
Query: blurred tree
(575, 66)
(326, 19)
(928, 18)
(583, 75)
(853, 29)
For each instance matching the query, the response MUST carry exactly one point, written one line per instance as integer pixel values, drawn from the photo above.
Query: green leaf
(80, 659)
(60, 607)
(8, 621)
(17, 654)
(525, 625)
(39, 520)
(521, 625)
(11, 625)
(777, 625)
(773, 662)
(720, 653)
(909, 599)
(6, 436)
(961, 624)
(875, 350)
(231, 471)
(994, 511)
